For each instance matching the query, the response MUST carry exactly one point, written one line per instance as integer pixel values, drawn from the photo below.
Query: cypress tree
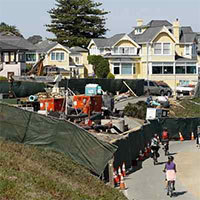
(75, 22)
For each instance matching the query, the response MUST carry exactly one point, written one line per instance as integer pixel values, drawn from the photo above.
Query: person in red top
(165, 141)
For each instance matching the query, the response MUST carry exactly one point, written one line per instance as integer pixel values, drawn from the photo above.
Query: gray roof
(187, 35)
(153, 28)
(8, 47)
(146, 36)
(182, 59)
(155, 23)
(17, 41)
(108, 42)
(78, 49)
(45, 46)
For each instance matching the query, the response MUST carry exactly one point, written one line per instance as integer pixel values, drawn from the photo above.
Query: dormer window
(138, 30)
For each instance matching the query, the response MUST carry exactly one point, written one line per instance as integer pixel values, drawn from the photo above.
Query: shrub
(137, 110)
(3, 78)
(110, 76)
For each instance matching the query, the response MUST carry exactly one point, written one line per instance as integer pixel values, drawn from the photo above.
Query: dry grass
(27, 172)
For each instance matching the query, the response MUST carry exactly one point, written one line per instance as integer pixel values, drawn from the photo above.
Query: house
(12, 54)
(158, 50)
(70, 62)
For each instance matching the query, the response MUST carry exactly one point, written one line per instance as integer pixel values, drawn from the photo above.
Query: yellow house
(156, 51)
(70, 62)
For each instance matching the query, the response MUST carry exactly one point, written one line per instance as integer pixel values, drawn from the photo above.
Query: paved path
(148, 183)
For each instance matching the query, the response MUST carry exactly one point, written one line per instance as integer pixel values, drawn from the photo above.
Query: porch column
(9, 57)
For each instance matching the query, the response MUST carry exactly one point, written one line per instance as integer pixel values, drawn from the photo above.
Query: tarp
(24, 89)
(31, 128)
(110, 85)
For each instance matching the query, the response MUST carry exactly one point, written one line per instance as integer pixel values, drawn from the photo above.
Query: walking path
(148, 181)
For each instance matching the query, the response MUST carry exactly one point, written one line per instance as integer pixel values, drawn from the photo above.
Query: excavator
(37, 68)
(36, 74)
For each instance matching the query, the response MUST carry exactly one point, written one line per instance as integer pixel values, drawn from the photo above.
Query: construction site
(106, 129)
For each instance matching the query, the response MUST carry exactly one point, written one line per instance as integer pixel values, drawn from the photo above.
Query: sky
(30, 16)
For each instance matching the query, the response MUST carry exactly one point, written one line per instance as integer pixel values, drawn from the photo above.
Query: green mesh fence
(31, 128)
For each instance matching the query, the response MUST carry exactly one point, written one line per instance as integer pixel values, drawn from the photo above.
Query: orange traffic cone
(181, 137)
(123, 169)
(192, 136)
(122, 184)
(119, 173)
(115, 177)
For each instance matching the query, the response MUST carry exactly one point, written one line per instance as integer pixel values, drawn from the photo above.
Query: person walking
(198, 140)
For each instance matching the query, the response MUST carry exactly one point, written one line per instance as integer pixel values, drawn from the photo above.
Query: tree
(10, 29)
(75, 22)
(35, 39)
(100, 65)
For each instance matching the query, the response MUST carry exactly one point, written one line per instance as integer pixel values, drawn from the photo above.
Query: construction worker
(155, 141)
(198, 140)
(165, 141)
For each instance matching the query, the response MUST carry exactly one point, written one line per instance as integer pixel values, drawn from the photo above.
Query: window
(77, 60)
(186, 68)
(168, 70)
(57, 56)
(166, 48)
(101, 50)
(116, 69)
(180, 69)
(53, 56)
(162, 68)
(124, 50)
(162, 48)
(126, 68)
(190, 69)
(187, 50)
(31, 57)
(157, 48)
(157, 69)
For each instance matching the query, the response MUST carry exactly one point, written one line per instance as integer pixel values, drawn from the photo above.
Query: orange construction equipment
(115, 177)
(192, 136)
(122, 184)
(123, 169)
(181, 137)
(119, 172)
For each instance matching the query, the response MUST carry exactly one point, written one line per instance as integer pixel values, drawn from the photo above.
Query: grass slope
(30, 173)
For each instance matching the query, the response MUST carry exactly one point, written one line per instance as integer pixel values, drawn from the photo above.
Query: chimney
(139, 22)
(176, 29)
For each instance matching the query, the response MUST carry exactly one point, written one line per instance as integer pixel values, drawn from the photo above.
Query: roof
(45, 45)
(108, 42)
(8, 47)
(147, 35)
(155, 23)
(17, 41)
(187, 35)
(183, 59)
(78, 49)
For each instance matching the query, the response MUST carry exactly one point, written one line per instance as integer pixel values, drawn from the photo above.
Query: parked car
(152, 87)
